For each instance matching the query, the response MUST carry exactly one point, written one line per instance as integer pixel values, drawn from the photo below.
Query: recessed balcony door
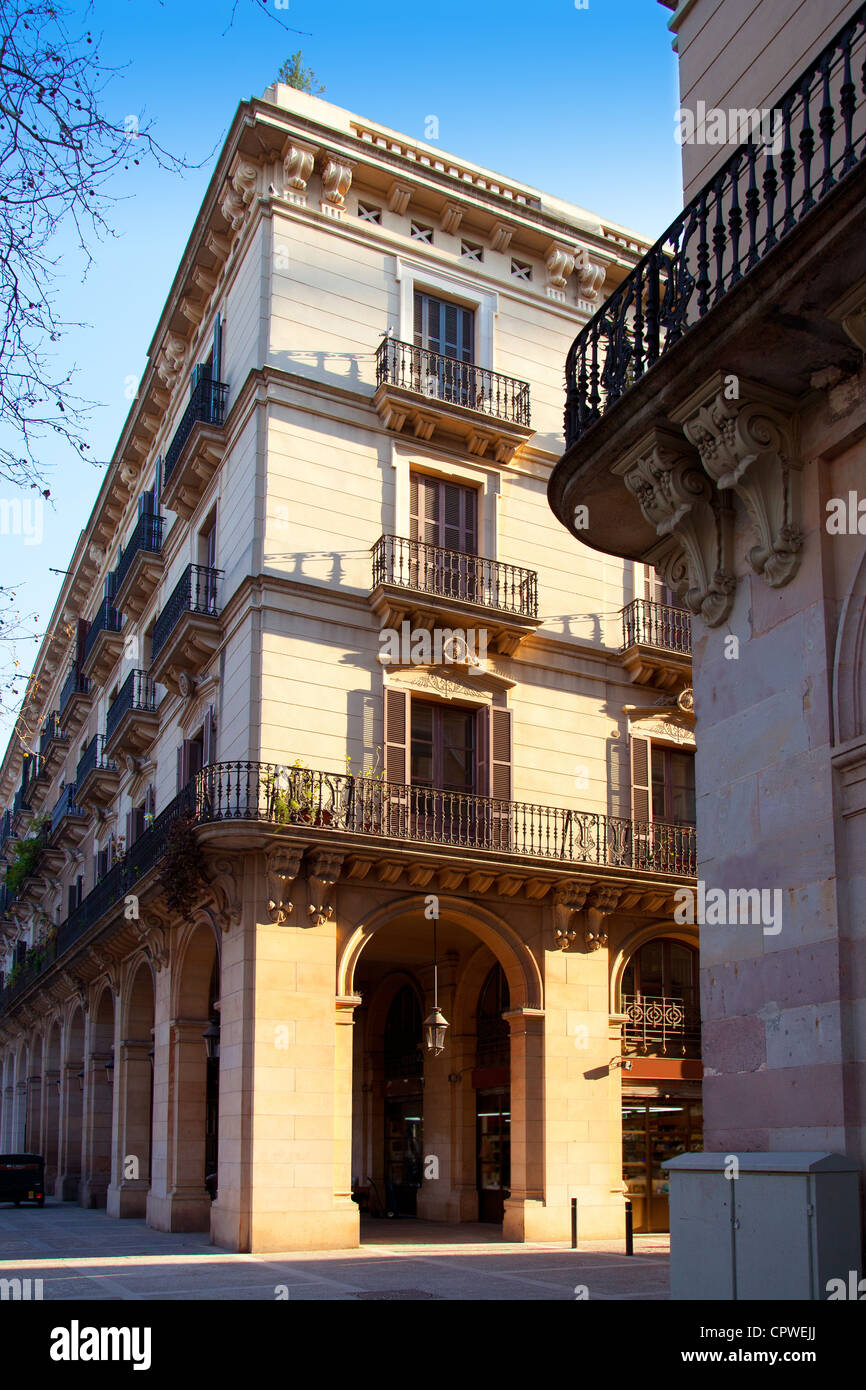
(443, 531)
(445, 335)
(443, 761)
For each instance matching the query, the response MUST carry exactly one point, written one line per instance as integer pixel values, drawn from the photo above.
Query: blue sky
(578, 102)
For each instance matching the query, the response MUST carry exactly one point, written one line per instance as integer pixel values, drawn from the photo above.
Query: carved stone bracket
(323, 873)
(590, 276)
(748, 446)
(222, 902)
(297, 168)
(283, 866)
(336, 181)
(239, 194)
(559, 261)
(568, 899)
(76, 989)
(153, 932)
(108, 967)
(601, 902)
(693, 522)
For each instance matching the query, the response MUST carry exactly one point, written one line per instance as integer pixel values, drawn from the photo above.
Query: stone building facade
(333, 725)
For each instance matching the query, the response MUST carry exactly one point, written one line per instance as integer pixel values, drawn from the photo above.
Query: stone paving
(86, 1255)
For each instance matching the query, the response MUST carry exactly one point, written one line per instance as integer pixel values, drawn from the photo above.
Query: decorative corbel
(323, 873)
(590, 276)
(693, 522)
(450, 218)
(568, 899)
(107, 967)
(153, 933)
(602, 901)
(398, 198)
(559, 260)
(747, 443)
(283, 866)
(224, 891)
(297, 167)
(336, 181)
(239, 194)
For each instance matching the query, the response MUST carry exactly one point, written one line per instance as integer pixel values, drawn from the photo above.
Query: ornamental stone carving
(748, 446)
(283, 866)
(693, 522)
(238, 195)
(560, 263)
(298, 166)
(590, 276)
(323, 873)
(336, 181)
(568, 899)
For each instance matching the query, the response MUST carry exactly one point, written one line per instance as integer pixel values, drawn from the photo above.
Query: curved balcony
(434, 395)
(97, 776)
(196, 449)
(431, 587)
(132, 723)
(139, 568)
(104, 643)
(53, 742)
(187, 632)
(756, 283)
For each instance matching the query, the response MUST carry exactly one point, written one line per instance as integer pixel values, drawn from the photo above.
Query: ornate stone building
(320, 740)
(715, 425)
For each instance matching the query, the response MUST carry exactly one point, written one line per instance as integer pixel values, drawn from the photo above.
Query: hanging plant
(25, 856)
(182, 870)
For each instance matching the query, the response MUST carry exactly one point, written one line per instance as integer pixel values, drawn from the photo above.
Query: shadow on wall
(323, 367)
(327, 567)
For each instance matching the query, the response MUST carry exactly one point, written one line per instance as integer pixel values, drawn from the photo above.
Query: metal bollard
(574, 1223)
(629, 1229)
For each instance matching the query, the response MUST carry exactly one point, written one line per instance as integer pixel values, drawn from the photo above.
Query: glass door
(493, 1121)
(404, 1129)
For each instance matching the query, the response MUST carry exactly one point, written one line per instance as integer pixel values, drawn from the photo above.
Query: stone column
(19, 1129)
(50, 1124)
(524, 1209)
(438, 1198)
(34, 1113)
(98, 1109)
(8, 1119)
(127, 1194)
(71, 1110)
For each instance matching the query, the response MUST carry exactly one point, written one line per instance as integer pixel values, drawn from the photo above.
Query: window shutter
(130, 828)
(482, 752)
(216, 354)
(157, 486)
(81, 638)
(181, 766)
(641, 800)
(396, 741)
(500, 754)
(209, 738)
(150, 800)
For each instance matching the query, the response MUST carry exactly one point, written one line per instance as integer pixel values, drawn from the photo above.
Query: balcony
(68, 820)
(75, 700)
(139, 568)
(97, 776)
(53, 742)
(755, 282)
(187, 632)
(377, 811)
(656, 644)
(132, 723)
(431, 588)
(22, 811)
(196, 450)
(104, 643)
(6, 833)
(660, 1026)
(459, 403)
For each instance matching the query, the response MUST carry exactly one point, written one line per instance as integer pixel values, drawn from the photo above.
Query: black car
(22, 1178)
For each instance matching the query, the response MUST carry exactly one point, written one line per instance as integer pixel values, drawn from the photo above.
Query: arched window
(663, 967)
(403, 1057)
(492, 1030)
(660, 1000)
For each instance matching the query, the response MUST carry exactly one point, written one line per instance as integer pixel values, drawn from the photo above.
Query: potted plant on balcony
(25, 856)
(364, 802)
(182, 870)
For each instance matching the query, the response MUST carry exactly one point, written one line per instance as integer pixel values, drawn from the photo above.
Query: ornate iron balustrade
(453, 574)
(195, 592)
(5, 829)
(394, 810)
(93, 758)
(76, 683)
(106, 619)
(51, 730)
(137, 692)
(66, 805)
(7, 898)
(146, 536)
(456, 383)
(656, 625)
(21, 801)
(724, 232)
(659, 1024)
(207, 403)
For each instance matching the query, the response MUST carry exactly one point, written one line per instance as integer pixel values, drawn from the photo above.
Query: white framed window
(413, 276)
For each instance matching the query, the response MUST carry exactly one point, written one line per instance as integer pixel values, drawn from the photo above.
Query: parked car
(22, 1178)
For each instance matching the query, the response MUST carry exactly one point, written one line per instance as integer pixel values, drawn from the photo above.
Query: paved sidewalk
(86, 1255)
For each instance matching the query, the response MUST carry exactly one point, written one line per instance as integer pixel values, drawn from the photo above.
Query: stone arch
(849, 662)
(197, 947)
(633, 942)
(515, 957)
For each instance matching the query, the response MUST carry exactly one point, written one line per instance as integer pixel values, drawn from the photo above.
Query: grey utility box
(782, 1228)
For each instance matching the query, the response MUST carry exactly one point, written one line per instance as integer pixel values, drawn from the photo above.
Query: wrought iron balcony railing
(66, 805)
(137, 692)
(146, 536)
(51, 730)
(207, 403)
(757, 197)
(21, 801)
(394, 810)
(7, 898)
(76, 683)
(452, 574)
(658, 1025)
(94, 758)
(106, 619)
(645, 623)
(446, 379)
(195, 592)
(5, 829)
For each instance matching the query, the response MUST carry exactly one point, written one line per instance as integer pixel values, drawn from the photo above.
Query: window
(369, 214)
(419, 232)
(443, 327)
(443, 514)
(402, 1040)
(443, 747)
(521, 270)
(657, 591)
(492, 1031)
(471, 251)
(673, 786)
(207, 540)
(663, 967)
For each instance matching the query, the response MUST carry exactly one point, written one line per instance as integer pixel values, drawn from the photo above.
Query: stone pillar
(50, 1123)
(284, 1136)
(19, 1128)
(158, 1200)
(186, 1205)
(98, 1109)
(71, 1110)
(127, 1194)
(343, 1075)
(438, 1198)
(34, 1113)
(524, 1209)
(8, 1119)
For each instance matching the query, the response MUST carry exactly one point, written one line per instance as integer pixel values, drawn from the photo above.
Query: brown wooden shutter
(482, 755)
(181, 766)
(641, 799)
(209, 738)
(130, 828)
(500, 754)
(396, 735)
